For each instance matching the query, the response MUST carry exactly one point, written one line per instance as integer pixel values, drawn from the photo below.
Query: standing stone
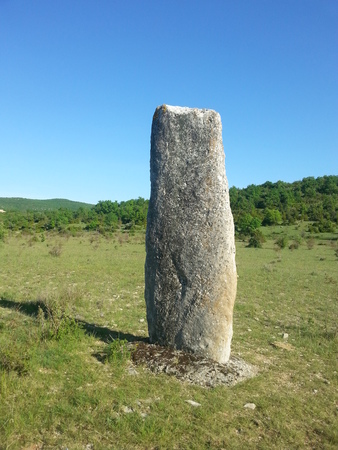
(190, 270)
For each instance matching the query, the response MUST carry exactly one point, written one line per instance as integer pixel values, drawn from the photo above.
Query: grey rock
(127, 410)
(132, 371)
(193, 403)
(190, 270)
(250, 406)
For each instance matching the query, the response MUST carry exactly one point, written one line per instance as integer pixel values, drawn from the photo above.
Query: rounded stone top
(185, 111)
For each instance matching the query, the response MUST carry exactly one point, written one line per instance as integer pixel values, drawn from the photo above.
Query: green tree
(247, 224)
(271, 217)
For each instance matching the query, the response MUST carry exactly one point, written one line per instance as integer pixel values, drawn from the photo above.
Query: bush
(294, 245)
(56, 250)
(256, 240)
(2, 233)
(54, 321)
(117, 350)
(310, 243)
(324, 226)
(14, 359)
(282, 242)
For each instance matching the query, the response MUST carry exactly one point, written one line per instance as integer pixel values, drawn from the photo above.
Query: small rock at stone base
(132, 371)
(127, 410)
(192, 403)
(250, 406)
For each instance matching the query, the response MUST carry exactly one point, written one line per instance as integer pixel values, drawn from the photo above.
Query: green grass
(76, 390)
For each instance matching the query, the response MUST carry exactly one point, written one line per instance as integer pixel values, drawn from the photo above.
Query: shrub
(117, 350)
(14, 359)
(312, 228)
(294, 245)
(56, 250)
(55, 323)
(92, 226)
(257, 239)
(2, 233)
(282, 242)
(326, 226)
(310, 243)
(33, 240)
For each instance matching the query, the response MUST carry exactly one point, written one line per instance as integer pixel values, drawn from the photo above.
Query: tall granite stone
(190, 270)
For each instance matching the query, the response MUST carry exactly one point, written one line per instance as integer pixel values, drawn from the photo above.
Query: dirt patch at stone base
(191, 368)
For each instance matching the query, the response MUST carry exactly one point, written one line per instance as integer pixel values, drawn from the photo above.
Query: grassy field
(66, 381)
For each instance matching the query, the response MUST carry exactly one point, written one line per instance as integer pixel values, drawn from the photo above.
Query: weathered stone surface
(190, 270)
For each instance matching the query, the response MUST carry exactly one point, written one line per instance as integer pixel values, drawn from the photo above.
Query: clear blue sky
(80, 80)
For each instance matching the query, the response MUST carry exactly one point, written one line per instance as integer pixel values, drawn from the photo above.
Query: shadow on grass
(104, 334)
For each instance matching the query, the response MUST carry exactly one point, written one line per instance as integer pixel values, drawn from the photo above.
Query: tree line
(105, 216)
(311, 199)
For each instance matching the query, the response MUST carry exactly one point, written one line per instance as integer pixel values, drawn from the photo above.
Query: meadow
(70, 306)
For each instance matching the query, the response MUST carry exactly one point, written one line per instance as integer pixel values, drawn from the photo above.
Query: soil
(191, 368)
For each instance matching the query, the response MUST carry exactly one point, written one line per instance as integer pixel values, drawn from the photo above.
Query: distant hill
(26, 204)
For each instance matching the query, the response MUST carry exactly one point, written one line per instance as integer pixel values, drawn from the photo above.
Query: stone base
(191, 368)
